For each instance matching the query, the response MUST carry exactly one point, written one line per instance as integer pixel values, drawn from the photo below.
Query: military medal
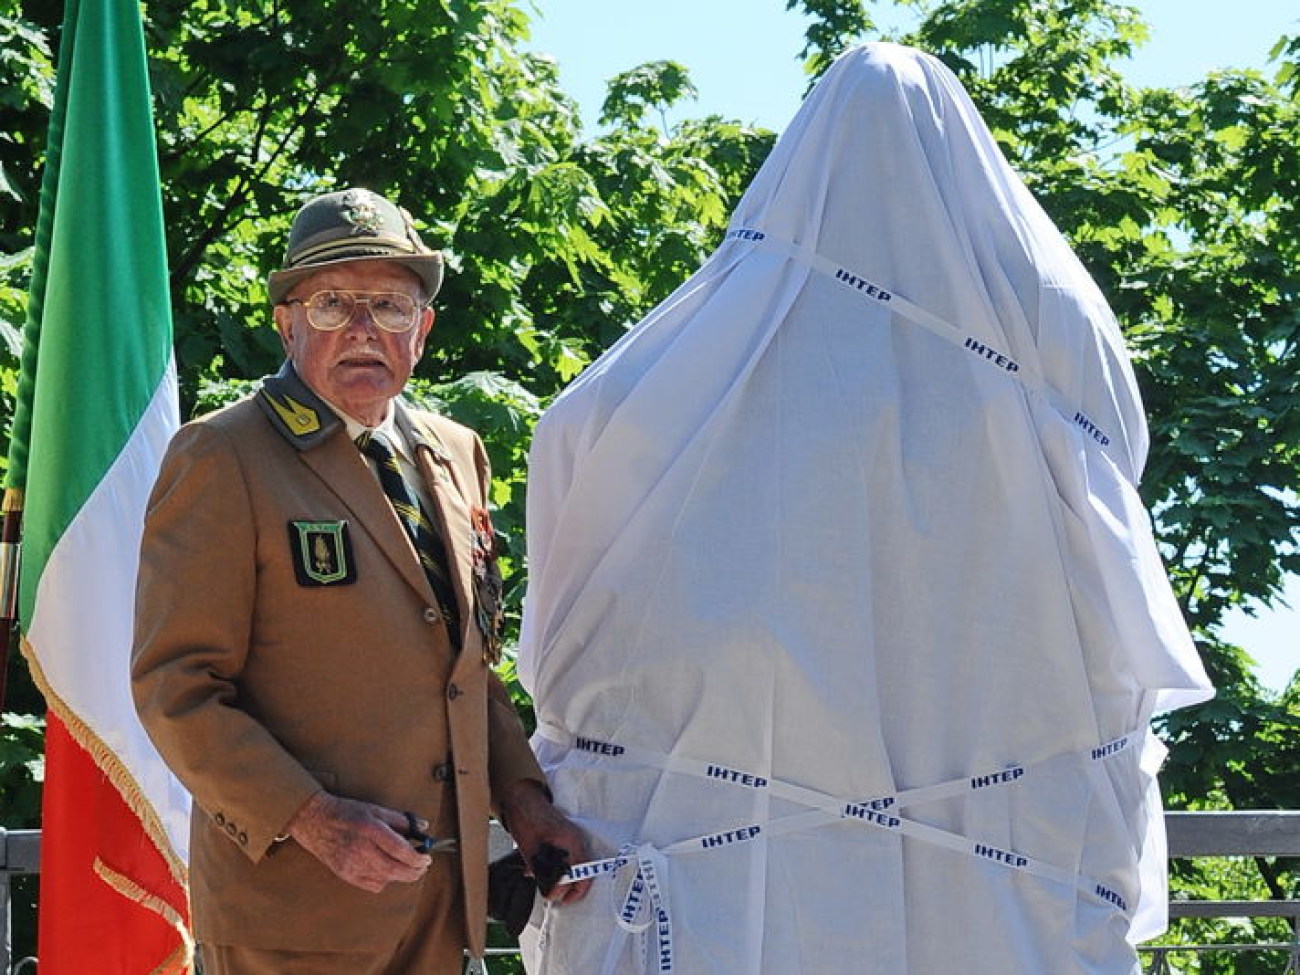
(488, 611)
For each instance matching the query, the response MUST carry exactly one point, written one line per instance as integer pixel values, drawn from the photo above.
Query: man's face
(358, 367)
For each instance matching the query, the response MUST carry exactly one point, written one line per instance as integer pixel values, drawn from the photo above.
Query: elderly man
(318, 607)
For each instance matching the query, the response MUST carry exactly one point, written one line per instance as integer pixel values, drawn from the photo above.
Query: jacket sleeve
(509, 756)
(194, 617)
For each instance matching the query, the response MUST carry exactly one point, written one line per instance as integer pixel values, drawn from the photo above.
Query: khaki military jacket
(288, 640)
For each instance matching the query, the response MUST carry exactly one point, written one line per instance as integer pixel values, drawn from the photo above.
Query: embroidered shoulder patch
(298, 418)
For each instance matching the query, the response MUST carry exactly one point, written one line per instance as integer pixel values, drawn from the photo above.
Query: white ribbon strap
(1001, 360)
(645, 906)
(881, 812)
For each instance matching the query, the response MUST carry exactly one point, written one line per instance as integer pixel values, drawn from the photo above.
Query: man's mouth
(363, 362)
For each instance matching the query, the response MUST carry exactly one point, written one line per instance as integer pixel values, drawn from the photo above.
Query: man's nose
(362, 318)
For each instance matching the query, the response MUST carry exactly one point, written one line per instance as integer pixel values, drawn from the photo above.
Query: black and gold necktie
(419, 527)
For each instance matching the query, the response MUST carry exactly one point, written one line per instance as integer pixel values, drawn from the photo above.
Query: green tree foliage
(1179, 201)
(554, 244)
(26, 94)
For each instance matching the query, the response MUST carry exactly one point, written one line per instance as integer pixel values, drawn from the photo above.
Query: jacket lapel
(450, 509)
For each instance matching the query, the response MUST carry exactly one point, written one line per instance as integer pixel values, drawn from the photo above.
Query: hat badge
(359, 210)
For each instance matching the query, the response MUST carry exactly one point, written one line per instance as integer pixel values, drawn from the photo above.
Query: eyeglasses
(329, 311)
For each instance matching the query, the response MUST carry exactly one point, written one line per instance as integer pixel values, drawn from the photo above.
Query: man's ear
(283, 317)
(423, 328)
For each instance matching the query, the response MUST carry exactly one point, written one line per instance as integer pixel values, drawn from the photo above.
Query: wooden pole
(10, 535)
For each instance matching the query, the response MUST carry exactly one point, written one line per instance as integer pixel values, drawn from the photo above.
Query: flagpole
(10, 549)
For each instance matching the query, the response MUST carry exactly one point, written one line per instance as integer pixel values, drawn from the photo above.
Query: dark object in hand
(510, 892)
(422, 842)
(549, 864)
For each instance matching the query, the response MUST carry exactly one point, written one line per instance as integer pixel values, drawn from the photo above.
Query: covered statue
(846, 623)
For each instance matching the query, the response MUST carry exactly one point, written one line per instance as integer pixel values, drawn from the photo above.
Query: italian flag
(95, 408)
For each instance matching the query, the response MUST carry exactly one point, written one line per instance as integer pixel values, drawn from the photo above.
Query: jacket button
(219, 819)
(453, 692)
(442, 772)
(431, 615)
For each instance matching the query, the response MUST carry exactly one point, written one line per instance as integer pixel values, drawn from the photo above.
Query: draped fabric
(845, 621)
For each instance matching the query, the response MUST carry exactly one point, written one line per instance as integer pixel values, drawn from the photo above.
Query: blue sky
(742, 53)
(742, 57)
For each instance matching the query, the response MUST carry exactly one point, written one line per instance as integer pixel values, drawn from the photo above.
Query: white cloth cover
(853, 513)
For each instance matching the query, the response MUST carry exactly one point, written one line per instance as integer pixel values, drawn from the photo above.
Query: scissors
(422, 842)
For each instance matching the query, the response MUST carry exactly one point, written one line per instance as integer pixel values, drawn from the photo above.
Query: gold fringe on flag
(182, 959)
(111, 766)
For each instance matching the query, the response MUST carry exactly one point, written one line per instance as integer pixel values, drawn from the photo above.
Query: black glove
(510, 892)
(549, 866)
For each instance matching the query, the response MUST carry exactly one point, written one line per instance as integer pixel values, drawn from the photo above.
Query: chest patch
(321, 553)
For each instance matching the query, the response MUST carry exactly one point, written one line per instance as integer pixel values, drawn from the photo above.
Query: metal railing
(20, 855)
(1191, 834)
(1231, 834)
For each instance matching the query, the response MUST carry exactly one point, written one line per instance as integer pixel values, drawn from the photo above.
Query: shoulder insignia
(300, 419)
(296, 413)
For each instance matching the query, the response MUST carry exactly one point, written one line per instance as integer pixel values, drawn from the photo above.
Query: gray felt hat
(352, 225)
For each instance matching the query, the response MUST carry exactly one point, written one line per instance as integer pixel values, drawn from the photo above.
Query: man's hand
(359, 841)
(534, 822)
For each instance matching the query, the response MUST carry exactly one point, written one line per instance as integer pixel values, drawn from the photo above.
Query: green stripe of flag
(97, 340)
